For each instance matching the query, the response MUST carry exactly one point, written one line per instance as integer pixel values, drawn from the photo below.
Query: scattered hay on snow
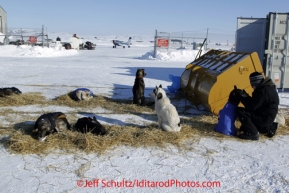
(115, 105)
(22, 99)
(23, 142)
(6, 130)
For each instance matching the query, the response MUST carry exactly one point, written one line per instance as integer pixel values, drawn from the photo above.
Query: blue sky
(137, 17)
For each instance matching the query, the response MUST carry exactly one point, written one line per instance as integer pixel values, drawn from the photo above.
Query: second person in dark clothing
(260, 109)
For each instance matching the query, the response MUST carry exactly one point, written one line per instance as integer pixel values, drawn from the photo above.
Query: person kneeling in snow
(260, 109)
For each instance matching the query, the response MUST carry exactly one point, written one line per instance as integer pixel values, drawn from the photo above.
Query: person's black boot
(272, 130)
(249, 136)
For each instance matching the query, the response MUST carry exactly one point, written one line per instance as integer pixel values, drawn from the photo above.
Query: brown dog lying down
(50, 123)
(9, 91)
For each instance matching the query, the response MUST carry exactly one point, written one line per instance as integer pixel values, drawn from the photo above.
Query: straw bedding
(22, 99)
(24, 142)
(116, 105)
(19, 138)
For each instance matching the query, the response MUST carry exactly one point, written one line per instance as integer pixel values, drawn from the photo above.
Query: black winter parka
(263, 103)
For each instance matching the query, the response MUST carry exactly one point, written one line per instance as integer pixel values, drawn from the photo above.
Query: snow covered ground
(214, 165)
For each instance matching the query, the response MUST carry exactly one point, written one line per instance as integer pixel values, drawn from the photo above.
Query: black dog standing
(139, 87)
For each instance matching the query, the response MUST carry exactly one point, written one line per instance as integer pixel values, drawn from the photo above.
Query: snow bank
(173, 55)
(33, 51)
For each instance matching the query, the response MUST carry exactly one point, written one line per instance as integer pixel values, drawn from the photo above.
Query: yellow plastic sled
(208, 80)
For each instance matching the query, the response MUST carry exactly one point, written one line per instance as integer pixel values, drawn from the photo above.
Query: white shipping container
(276, 49)
(250, 35)
(269, 38)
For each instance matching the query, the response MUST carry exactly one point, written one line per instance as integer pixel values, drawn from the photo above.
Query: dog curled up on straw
(87, 124)
(9, 91)
(50, 123)
(168, 117)
(82, 94)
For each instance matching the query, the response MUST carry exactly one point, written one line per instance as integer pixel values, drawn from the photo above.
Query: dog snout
(42, 134)
(152, 95)
(41, 139)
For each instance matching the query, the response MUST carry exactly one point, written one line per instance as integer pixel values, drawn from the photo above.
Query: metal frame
(180, 36)
(24, 36)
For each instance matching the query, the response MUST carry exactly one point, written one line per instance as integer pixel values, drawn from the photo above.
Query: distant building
(3, 21)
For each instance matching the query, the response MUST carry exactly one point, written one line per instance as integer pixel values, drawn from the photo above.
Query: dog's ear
(143, 71)
(235, 87)
(160, 86)
(95, 120)
(159, 96)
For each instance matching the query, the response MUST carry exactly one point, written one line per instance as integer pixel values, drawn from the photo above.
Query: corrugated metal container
(3, 24)
(269, 38)
(250, 35)
(276, 64)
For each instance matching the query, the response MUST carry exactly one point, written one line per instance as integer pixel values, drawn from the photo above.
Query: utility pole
(155, 45)
(42, 36)
(207, 38)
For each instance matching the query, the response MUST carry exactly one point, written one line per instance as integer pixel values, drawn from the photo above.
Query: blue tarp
(226, 120)
(176, 83)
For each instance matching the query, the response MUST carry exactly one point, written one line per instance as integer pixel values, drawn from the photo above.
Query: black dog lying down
(87, 124)
(9, 91)
(139, 87)
(50, 123)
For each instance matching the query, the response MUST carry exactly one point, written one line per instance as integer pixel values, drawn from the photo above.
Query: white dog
(168, 117)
